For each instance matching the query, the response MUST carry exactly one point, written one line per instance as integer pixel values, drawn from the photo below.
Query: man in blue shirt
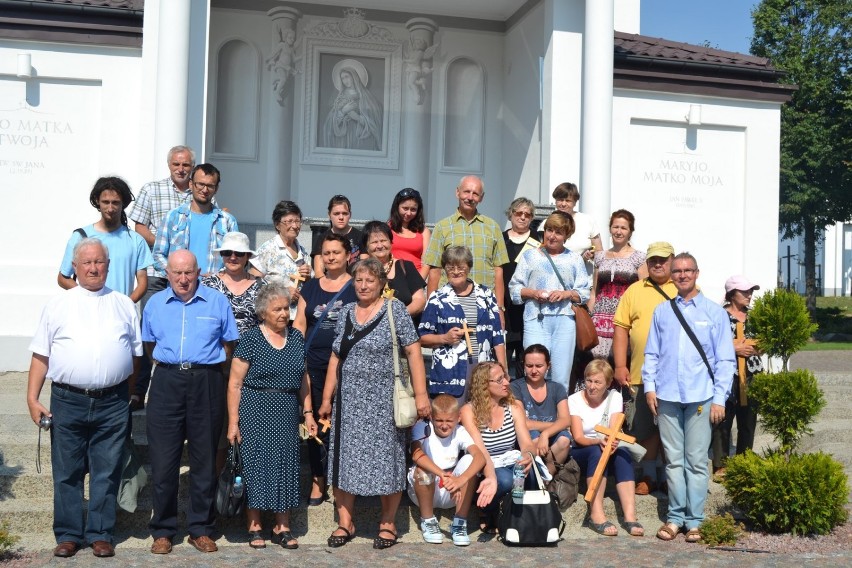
(686, 393)
(189, 330)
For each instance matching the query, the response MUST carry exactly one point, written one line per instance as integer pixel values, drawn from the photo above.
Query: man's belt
(189, 366)
(91, 393)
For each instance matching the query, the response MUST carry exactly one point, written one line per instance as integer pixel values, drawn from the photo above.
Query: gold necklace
(389, 265)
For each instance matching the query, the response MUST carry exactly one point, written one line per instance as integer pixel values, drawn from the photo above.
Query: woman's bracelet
(308, 412)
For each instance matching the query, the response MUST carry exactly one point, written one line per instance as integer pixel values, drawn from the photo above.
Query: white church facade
(523, 93)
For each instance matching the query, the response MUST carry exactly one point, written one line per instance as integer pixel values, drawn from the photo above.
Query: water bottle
(518, 479)
(238, 487)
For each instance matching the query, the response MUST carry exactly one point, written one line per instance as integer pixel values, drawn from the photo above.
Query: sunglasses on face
(227, 253)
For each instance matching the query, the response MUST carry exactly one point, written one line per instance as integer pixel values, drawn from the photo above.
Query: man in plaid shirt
(480, 234)
(154, 201)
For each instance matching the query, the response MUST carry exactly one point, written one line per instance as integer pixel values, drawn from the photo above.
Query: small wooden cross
(467, 332)
(297, 279)
(387, 293)
(325, 424)
(614, 431)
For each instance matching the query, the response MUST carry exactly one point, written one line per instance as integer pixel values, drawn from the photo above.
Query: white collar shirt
(89, 338)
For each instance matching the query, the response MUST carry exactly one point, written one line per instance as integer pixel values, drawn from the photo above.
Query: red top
(408, 248)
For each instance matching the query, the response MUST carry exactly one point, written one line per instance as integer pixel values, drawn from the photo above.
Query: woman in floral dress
(615, 269)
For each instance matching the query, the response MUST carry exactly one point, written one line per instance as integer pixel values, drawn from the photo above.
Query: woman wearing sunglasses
(410, 234)
(234, 281)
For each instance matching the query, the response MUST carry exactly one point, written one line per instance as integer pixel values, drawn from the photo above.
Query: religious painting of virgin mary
(355, 119)
(352, 101)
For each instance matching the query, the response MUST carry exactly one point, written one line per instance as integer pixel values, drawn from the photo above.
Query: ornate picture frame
(352, 96)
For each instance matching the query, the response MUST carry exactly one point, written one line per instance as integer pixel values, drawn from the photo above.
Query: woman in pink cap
(738, 292)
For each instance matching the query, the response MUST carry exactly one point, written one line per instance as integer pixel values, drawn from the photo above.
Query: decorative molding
(115, 4)
(251, 115)
(477, 168)
(353, 26)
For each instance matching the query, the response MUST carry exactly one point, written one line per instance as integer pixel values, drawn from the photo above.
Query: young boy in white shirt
(435, 451)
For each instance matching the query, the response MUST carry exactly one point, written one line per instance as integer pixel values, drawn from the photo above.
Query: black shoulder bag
(691, 335)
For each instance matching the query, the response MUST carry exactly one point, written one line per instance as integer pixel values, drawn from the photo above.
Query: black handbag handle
(235, 461)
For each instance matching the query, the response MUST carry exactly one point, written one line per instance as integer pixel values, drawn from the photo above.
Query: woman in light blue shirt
(547, 281)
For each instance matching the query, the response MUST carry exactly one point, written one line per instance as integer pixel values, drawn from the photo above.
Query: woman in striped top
(497, 423)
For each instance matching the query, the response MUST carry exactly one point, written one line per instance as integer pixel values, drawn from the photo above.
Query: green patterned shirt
(481, 235)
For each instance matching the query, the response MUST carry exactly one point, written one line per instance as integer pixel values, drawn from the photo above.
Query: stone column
(281, 64)
(596, 153)
(417, 99)
(172, 77)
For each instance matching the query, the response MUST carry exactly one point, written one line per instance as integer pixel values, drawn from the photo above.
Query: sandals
(338, 540)
(380, 543)
(668, 532)
(634, 528)
(602, 528)
(256, 535)
(693, 536)
(283, 539)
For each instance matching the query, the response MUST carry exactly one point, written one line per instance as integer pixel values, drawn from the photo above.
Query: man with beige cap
(632, 324)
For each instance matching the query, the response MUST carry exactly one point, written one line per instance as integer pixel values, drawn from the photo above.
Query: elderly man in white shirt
(88, 343)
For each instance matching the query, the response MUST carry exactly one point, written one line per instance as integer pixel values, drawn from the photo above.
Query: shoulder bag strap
(692, 337)
(605, 417)
(553, 264)
(397, 376)
(324, 313)
(657, 288)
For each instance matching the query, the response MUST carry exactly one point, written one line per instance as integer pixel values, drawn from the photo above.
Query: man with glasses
(197, 225)
(632, 321)
(480, 234)
(687, 375)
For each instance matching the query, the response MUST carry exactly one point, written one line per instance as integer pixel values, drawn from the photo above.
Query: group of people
(258, 349)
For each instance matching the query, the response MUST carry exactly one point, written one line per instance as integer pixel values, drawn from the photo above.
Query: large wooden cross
(467, 332)
(613, 431)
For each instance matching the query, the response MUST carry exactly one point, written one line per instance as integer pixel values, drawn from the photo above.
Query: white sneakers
(433, 535)
(459, 532)
(431, 531)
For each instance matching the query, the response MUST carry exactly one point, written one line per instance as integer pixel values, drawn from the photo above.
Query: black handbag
(228, 504)
(531, 520)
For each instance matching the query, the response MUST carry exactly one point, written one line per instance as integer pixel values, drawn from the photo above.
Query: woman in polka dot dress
(267, 386)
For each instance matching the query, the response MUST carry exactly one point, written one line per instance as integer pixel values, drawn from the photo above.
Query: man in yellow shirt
(632, 324)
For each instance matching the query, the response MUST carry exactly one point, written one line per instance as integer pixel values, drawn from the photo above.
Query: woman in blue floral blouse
(442, 326)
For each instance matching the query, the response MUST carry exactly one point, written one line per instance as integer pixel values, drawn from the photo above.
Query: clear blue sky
(726, 24)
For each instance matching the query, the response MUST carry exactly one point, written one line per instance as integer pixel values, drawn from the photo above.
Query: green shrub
(800, 494)
(720, 530)
(781, 324)
(787, 403)
(7, 539)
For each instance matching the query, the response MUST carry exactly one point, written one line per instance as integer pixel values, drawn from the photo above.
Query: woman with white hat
(738, 293)
(234, 281)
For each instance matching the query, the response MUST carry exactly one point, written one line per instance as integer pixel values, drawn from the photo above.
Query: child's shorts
(443, 498)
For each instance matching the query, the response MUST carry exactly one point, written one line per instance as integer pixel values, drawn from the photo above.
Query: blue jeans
(558, 334)
(686, 436)
(87, 436)
(620, 462)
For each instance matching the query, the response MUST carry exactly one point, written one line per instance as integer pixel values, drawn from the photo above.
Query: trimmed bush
(803, 494)
(787, 403)
(720, 530)
(781, 323)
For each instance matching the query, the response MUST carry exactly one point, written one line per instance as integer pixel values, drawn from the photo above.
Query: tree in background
(812, 41)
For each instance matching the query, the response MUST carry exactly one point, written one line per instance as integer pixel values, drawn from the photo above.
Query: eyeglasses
(456, 269)
(503, 379)
(409, 193)
(291, 223)
(207, 186)
(686, 271)
(522, 214)
(227, 253)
